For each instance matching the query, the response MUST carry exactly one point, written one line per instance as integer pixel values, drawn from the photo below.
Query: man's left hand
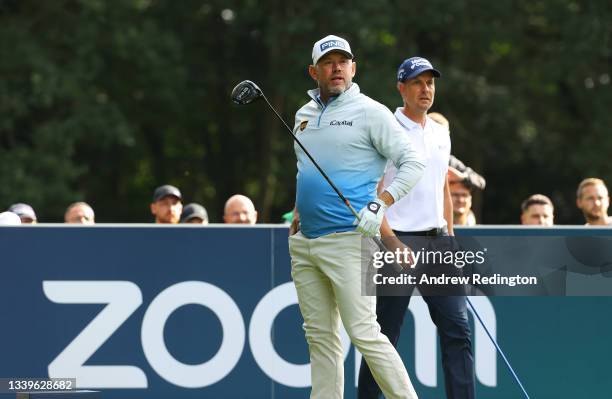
(371, 217)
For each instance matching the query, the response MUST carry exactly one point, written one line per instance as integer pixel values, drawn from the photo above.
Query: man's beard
(593, 217)
(337, 90)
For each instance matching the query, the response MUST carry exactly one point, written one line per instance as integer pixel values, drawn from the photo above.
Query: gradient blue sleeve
(390, 141)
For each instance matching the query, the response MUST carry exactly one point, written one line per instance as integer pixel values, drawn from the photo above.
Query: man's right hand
(393, 244)
(295, 223)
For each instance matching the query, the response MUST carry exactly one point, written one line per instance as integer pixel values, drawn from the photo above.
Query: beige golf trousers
(327, 276)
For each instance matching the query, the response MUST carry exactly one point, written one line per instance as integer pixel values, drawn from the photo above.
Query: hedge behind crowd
(103, 101)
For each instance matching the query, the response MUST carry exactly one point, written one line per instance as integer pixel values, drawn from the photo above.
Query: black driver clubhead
(245, 92)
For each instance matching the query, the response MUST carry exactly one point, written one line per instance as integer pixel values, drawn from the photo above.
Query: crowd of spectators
(166, 208)
(592, 199)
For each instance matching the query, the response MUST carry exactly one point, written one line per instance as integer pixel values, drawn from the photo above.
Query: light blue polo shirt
(351, 138)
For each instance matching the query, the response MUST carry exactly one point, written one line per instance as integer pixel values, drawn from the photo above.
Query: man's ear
(312, 71)
(153, 208)
(354, 66)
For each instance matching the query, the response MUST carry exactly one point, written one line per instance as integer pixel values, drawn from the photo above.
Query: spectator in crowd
(462, 172)
(167, 204)
(441, 119)
(239, 209)
(195, 214)
(538, 209)
(462, 179)
(9, 218)
(79, 213)
(25, 212)
(461, 195)
(593, 200)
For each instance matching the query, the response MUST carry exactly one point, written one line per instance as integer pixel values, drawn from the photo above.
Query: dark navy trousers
(449, 314)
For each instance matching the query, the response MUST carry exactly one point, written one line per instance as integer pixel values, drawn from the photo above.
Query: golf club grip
(396, 266)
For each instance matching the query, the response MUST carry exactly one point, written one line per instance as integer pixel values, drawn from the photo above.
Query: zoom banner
(193, 312)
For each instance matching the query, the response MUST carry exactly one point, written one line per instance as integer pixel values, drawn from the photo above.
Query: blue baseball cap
(413, 67)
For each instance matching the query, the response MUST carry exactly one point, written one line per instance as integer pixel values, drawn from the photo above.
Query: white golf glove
(371, 218)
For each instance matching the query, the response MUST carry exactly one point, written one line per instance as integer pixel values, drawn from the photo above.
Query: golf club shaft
(383, 247)
(497, 347)
(331, 183)
(377, 240)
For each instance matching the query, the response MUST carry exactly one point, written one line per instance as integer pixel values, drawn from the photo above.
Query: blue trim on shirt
(324, 107)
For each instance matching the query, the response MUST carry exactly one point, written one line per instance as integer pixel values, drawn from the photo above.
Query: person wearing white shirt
(425, 211)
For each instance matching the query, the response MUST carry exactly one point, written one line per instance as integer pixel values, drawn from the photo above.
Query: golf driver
(246, 92)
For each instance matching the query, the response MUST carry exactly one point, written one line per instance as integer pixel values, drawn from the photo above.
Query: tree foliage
(105, 100)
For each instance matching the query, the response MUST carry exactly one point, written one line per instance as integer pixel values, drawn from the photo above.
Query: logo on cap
(419, 62)
(414, 66)
(332, 43)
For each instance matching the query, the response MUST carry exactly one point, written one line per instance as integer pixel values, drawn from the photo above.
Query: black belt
(430, 233)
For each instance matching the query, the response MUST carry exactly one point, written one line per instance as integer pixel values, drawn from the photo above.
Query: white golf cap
(9, 219)
(330, 43)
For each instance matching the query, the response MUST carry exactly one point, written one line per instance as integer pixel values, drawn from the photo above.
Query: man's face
(239, 211)
(167, 209)
(418, 93)
(594, 202)
(462, 198)
(334, 73)
(538, 214)
(80, 214)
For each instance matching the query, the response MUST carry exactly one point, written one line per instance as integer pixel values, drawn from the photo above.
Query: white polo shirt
(423, 207)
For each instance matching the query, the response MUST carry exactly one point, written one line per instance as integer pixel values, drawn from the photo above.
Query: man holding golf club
(350, 137)
(426, 211)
